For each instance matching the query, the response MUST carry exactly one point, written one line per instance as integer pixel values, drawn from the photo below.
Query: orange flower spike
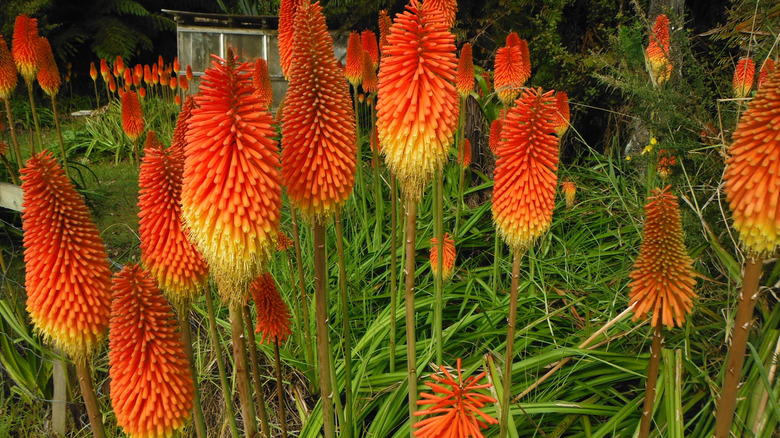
(384, 29)
(132, 116)
(456, 413)
(273, 315)
(119, 64)
(464, 154)
(657, 52)
(562, 115)
(8, 75)
(155, 74)
(25, 47)
(176, 65)
(173, 83)
(370, 81)
(93, 73)
(569, 192)
(354, 68)
(138, 72)
(662, 277)
(447, 8)
(525, 174)
(283, 242)
(151, 385)
(465, 80)
(128, 78)
(369, 46)
(68, 280)
(752, 174)
(512, 69)
(262, 82)
(287, 10)
(767, 69)
(448, 265)
(111, 83)
(495, 134)
(666, 160)
(744, 75)
(183, 83)
(417, 109)
(160, 63)
(49, 75)
(231, 195)
(104, 70)
(142, 93)
(318, 130)
(189, 73)
(165, 248)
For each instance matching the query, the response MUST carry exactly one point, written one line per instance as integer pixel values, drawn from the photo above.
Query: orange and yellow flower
(231, 193)
(262, 82)
(495, 134)
(448, 261)
(283, 242)
(417, 109)
(569, 192)
(318, 131)
(666, 160)
(512, 68)
(25, 49)
(384, 29)
(464, 154)
(354, 68)
(104, 70)
(465, 80)
(369, 46)
(752, 173)
(93, 73)
(457, 412)
(657, 53)
(273, 315)
(151, 385)
(8, 75)
(132, 115)
(68, 280)
(562, 116)
(744, 75)
(287, 11)
(447, 8)
(49, 75)
(525, 174)
(370, 81)
(662, 277)
(767, 69)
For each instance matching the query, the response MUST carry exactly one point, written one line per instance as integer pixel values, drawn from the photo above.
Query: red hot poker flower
(464, 154)
(8, 75)
(104, 70)
(273, 315)
(318, 130)
(287, 11)
(132, 115)
(561, 113)
(262, 82)
(384, 29)
(512, 69)
(151, 384)
(49, 75)
(354, 67)
(744, 75)
(456, 413)
(495, 134)
(465, 80)
(67, 279)
(569, 192)
(448, 262)
(766, 70)
(231, 194)
(525, 174)
(370, 81)
(447, 8)
(657, 52)
(369, 45)
(93, 71)
(662, 276)
(25, 49)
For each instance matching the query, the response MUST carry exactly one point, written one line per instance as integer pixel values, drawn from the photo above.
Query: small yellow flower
(648, 148)
(628, 158)
(653, 141)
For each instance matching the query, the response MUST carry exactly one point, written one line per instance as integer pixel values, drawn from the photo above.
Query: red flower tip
(569, 192)
(142, 93)
(262, 82)
(318, 131)
(273, 315)
(662, 276)
(283, 242)
(165, 248)
(751, 176)
(155, 74)
(231, 194)
(513, 39)
(465, 80)
(744, 75)
(457, 412)
(49, 75)
(369, 46)
(370, 81)
(151, 383)
(495, 134)
(173, 83)
(447, 9)
(138, 72)
(93, 71)
(8, 75)
(189, 73)
(128, 79)
(119, 64)
(448, 262)
(512, 69)
(132, 116)
(111, 83)
(25, 49)
(68, 280)
(354, 69)
(384, 29)
(183, 83)
(160, 62)
(104, 70)
(464, 154)
(657, 52)
(525, 174)
(176, 65)
(417, 108)
(562, 116)
(287, 11)
(666, 160)
(766, 70)
(147, 75)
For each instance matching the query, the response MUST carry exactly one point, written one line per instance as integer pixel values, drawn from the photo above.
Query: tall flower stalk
(50, 82)
(318, 159)
(414, 131)
(8, 81)
(27, 56)
(756, 218)
(524, 196)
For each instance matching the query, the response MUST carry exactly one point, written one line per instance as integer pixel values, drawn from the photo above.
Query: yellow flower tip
(752, 175)
(662, 278)
(569, 190)
(417, 108)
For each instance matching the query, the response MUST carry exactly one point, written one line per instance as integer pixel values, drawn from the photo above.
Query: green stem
(377, 186)
(496, 258)
(97, 96)
(652, 379)
(297, 305)
(510, 344)
(241, 371)
(186, 338)
(17, 150)
(393, 267)
(461, 153)
(90, 398)
(359, 182)
(323, 345)
(279, 389)
(411, 350)
(217, 343)
(347, 429)
(256, 374)
(59, 136)
(303, 298)
(438, 279)
(35, 119)
(736, 359)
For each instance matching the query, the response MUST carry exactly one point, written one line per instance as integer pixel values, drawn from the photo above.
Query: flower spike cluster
(525, 174)
(569, 190)
(165, 249)
(495, 134)
(744, 75)
(417, 111)
(657, 53)
(319, 150)
(370, 81)
(512, 68)
(26, 47)
(384, 29)
(151, 384)
(752, 173)
(68, 280)
(662, 276)
(273, 315)
(262, 82)
(457, 411)
(231, 193)
(369, 45)
(354, 68)
(132, 115)
(465, 81)
(287, 11)
(49, 75)
(448, 261)
(8, 75)
(562, 116)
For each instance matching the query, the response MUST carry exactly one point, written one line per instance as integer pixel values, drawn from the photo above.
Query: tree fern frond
(131, 7)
